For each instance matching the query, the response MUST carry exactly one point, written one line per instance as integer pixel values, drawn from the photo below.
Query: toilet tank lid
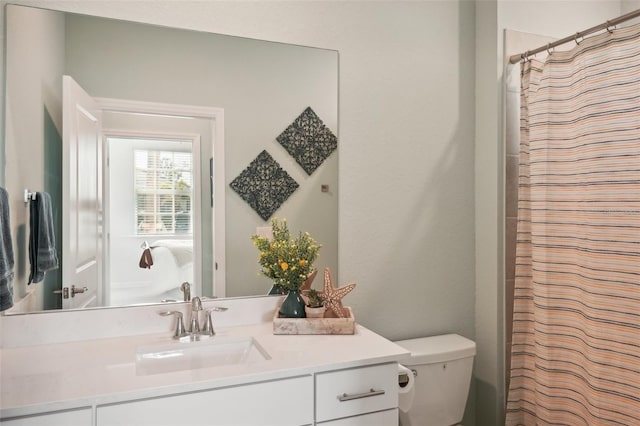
(434, 349)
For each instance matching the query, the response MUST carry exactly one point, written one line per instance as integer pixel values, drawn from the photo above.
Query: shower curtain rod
(580, 34)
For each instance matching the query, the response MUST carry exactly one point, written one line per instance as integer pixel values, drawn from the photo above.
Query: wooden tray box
(314, 325)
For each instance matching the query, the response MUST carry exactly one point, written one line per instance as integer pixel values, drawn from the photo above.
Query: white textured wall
(488, 206)
(406, 105)
(406, 152)
(629, 6)
(34, 112)
(555, 18)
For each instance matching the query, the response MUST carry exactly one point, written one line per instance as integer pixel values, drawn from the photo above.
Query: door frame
(194, 139)
(215, 116)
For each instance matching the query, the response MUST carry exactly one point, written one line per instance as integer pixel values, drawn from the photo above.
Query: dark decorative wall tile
(264, 185)
(308, 141)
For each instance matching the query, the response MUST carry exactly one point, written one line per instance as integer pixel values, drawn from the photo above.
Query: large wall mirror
(233, 97)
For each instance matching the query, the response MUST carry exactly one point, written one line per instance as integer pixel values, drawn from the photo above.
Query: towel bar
(28, 196)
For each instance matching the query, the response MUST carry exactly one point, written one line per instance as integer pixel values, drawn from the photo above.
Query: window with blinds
(163, 191)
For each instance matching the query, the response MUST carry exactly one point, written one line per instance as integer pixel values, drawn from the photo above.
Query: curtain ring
(549, 52)
(608, 29)
(575, 38)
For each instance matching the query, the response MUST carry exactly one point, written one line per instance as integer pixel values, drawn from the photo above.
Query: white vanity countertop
(91, 372)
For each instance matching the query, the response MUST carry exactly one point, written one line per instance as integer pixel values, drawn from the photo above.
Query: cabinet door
(277, 403)
(383, 418)
(81, 417)
(346, 393)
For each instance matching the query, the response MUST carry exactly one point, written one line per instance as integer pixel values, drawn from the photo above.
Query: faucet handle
(180, 331)
(208, 323)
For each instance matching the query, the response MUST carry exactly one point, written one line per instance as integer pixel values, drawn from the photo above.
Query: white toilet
(442, 367)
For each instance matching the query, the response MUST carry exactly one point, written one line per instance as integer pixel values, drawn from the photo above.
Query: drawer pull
(372, 392)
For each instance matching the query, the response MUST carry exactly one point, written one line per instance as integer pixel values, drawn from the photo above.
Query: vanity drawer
(356, 391)
(386, 418)
(80, 417)
(285, 402)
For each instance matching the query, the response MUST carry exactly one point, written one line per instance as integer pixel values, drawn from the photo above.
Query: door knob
(75, 290)
(64, 291)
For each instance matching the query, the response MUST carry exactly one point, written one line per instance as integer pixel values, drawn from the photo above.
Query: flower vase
(293, 305)
(277, 289)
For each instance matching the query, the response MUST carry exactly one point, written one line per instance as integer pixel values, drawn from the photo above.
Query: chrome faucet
(196, 307)
(194, 332)
(207, 330)
(186, 289)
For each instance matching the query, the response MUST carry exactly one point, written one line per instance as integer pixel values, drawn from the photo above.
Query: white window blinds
(163, 191)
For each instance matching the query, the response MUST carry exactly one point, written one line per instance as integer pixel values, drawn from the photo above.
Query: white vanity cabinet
(80, 417)
(358, 396)
(308, 380)
(279, 403)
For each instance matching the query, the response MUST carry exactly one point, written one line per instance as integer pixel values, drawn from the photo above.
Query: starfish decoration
(307, 283)
(333, 296)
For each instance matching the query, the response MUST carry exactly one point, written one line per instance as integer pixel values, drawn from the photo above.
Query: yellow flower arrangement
(286, 261)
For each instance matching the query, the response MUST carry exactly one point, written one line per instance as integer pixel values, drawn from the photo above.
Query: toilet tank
(442, 366)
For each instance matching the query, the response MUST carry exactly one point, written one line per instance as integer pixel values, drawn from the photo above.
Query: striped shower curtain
(576, 321)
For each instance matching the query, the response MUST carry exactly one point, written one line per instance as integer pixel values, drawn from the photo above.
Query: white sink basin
(213, 352)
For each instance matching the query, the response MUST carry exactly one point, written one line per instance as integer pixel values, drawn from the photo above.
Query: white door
(81, 198)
